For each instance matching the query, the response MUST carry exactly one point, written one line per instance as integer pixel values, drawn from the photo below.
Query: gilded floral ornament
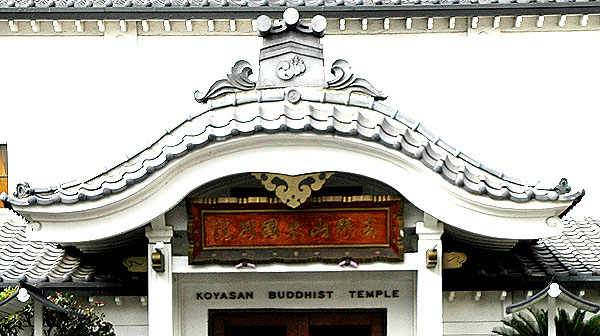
(293, 190)
(238, 80)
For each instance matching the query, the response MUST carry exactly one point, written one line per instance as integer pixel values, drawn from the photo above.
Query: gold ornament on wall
(136, 264)
(453, 260)
(293, 190)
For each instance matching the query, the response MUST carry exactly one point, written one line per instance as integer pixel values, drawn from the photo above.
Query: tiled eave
(571, 259)
(214, 9)
(35, 262)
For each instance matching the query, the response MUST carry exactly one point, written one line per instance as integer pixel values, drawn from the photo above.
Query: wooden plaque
(331, 231)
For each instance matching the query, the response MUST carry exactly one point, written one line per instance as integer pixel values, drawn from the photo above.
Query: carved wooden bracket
(293, 190)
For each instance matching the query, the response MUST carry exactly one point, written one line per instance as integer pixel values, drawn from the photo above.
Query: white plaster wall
(129, 319)
(523, 103)
(466, 316)
(194, 312)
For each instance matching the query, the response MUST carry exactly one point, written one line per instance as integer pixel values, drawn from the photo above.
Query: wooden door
(297, 322)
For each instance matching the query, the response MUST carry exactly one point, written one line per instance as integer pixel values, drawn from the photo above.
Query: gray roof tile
(22, 259)
(577, 249)
(573, 254)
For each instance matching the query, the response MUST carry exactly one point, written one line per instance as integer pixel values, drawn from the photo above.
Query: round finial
(263, 24)
(554, 290)
(291, 16)
(318, 23)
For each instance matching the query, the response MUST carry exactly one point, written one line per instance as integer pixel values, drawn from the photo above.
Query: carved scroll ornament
(293, 190)
(238, 80)
(344, 79)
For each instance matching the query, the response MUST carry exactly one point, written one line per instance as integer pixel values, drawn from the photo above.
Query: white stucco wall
(523, 103)
(467, 316)
(130, 318)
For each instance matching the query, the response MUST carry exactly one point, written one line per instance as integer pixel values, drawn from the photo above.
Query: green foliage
(12, 324)
(521, 324)
(576, 326)
(88, 323)
(61, 324)
(535, 324)
(8, 291)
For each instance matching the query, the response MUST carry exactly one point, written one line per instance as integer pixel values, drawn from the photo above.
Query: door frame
(298, 321)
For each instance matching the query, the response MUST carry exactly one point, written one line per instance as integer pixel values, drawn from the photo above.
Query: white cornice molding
(291, 154)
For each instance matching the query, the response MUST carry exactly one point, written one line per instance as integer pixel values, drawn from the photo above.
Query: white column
(160, 284)
(38, 318)
(429, 280)
(551, 315)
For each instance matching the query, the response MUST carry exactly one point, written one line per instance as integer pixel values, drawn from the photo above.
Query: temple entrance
(298, 322)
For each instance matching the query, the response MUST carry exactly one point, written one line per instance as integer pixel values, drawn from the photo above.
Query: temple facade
(287, 196)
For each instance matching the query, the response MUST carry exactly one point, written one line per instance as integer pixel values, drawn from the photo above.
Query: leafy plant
(535, 324)
(87, 323)
(11, 324)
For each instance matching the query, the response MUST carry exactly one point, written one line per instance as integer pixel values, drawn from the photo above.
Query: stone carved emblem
(287, 70)
(292, 190)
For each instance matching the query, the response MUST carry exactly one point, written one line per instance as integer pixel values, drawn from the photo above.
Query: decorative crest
(293, 190)
(291, 55)
(288, 69)
(344, 79)
(238, 80)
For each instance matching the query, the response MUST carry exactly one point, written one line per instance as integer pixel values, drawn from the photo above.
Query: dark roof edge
(529, 301)
(575, 202)
(235, 12)
(86, 288)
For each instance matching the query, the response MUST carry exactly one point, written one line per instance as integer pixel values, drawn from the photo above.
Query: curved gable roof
(347, 114)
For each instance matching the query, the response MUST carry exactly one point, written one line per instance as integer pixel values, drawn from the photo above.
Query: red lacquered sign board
(315, 231)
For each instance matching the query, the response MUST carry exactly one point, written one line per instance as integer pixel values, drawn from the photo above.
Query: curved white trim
(292, 154)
